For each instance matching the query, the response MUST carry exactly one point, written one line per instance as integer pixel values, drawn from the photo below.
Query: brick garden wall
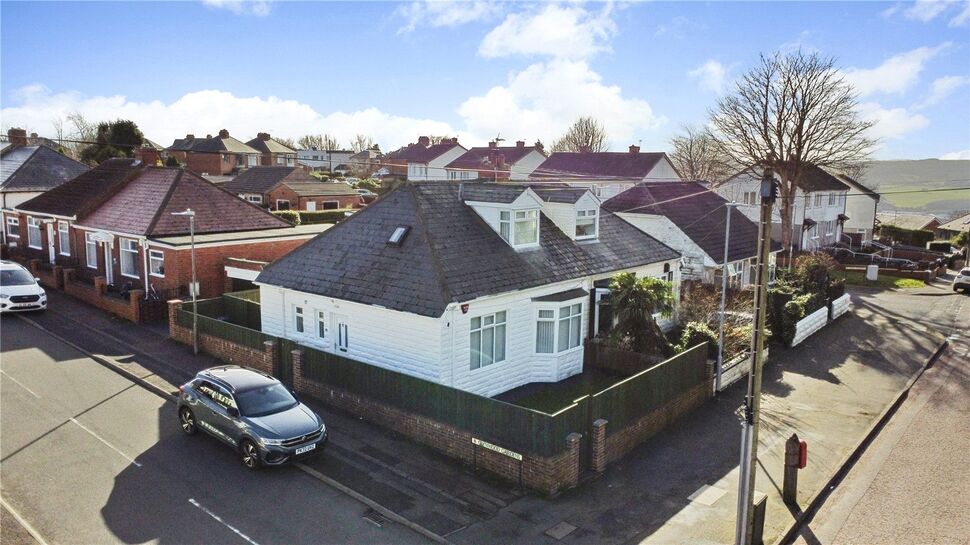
(223, 349)
(96, 296)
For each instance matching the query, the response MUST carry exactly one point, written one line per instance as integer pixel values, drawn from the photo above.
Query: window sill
(153, 275)
(35, 247)
(65, 255)
(92, 266)
(492, 365)
(135, 276)
(12, 236)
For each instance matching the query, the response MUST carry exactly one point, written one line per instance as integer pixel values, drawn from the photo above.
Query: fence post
(174, 305)
(100, 285)
(573, 444)
(599, 445)
(58, 277)
(134, 304)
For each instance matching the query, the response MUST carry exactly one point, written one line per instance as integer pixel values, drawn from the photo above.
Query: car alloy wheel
(187, 421)
(250, 454)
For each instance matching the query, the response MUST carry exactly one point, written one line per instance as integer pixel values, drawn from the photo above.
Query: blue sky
(475, 69)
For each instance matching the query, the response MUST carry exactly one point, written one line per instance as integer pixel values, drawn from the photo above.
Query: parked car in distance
(962, 280)
(252, 412)
(366, 195)
(19, 290)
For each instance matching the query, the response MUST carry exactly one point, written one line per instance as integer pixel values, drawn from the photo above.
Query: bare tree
(586, 134)
(788, 113)
(698, 157)
(318, 141)
(439, 138)
(361, 142)
(288, 142)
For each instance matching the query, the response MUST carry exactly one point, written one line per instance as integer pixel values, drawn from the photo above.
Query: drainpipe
(144, 255)
(452, 366)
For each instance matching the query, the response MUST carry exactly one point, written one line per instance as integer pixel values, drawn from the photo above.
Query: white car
(962, 280)
(19, 290)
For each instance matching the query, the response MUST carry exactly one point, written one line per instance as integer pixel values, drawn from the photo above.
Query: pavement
(912, 483)
(679, 487)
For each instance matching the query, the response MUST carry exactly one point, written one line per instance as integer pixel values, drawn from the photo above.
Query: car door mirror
(232, 411)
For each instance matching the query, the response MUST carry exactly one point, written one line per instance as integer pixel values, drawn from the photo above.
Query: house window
(13, 227)
(280, 160)
(668, 274)
(570, 322)
(505, 225)
(546, 332)
(586, 224)
(90, 251)
(526, 227)
(252, 160)
(156, 263)
(33, 233)
(225, 158)
(63, 238)
(298, 319)
(321, 325)
(833, 198)
(331, 205)
(282, 204)
(487, 340)
(258, 199)
(818, 199)
(129, 257)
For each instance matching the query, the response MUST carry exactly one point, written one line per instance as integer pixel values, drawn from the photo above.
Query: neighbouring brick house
(497, 163)
(113, 225)
(423, 161)
(25, 172)
(214, 155)
(291, 188)
(271, 152)
(606, 173)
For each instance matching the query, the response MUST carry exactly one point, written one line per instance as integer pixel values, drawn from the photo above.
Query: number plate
(307, 448)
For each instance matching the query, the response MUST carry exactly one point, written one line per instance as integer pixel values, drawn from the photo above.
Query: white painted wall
(522, 168)
(663, 171)
(434, 170)
(14, 199)
(696, 261)
(810, 324)
(861, 209)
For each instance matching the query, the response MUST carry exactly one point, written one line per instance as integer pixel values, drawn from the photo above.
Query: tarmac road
(91, 457)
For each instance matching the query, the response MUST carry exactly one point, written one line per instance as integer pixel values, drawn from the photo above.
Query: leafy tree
(635, 301)
(585, 134)
(369, 183)
(697, 156)
(119, 138)
(787, 113)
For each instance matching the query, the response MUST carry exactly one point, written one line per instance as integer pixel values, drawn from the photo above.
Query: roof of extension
(220, 143)
(145, 203)
(419, 153)
(477, 157)
(449, 255)
(36, 168)
(262, 179)
(86, 191)
(601, 165)
(698, 212)
(957, 224)
(906, 221)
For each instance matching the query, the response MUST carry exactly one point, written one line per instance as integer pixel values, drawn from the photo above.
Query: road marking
(23, 522)
(218, 519)
(99, 438)
(18, 383)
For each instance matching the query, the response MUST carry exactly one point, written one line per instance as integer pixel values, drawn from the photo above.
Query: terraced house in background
(291, 188)
(214, 155)
(481, 287)
(607, 173)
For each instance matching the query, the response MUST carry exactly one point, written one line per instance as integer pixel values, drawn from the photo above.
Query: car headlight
(271, 442)
(4, 296)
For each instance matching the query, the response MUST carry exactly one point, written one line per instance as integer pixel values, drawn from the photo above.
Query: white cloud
(711, 75)
(557, 31)
(943, 88)
(961, 18)
(438, 13)
(962, 155)
(259, 8)
(927, 10)
(545, 98)
(896, 74)
(891, 123)
(207, 111)
(679, 28)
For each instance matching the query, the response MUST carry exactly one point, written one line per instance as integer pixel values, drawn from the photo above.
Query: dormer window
(586, 224)
(519, 227)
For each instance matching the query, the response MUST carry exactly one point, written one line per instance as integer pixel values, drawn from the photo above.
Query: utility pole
(751, 416)
(724, 282)
(195, 284)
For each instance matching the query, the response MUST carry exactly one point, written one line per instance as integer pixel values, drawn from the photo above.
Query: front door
(342, 342)
(603, 313)
(109, 270)
(51, 253)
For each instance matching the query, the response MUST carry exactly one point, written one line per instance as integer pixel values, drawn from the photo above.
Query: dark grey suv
(253, 412)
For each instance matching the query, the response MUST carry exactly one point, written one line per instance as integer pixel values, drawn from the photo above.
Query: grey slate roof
(36, 168)
(261, 179)
(450, 254)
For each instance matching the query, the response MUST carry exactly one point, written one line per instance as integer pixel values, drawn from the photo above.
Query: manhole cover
(560, 530)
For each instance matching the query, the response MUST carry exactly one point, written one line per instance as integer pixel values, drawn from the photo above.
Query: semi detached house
(482, 287)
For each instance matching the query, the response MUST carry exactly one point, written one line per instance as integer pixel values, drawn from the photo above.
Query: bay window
(129, 257)
(63, 238)
(487, 340)
(586, 224)
(90, 251)
(570, 326)
(33, 233)
(559, 333)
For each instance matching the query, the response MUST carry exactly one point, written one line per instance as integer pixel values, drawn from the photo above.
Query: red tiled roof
(606, 164)
(144, 206)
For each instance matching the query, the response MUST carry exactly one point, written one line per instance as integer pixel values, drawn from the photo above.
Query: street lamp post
(724, 283)
(195, 286)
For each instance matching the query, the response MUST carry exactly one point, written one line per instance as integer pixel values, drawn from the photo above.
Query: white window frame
(63, 238)
(833, 199)
(505, 225)
(321, 325)
(299, 324)
(548, 320)
(571, 316)
(287, 201)
(491, 323)
(585, 215)
(258, 199)
(529, 216)
(13, 221)
(818, 200)
(34, 223)
(121, 257)
(90, 250)
(153, 256)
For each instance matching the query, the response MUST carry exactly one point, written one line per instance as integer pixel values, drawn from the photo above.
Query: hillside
(891, 176)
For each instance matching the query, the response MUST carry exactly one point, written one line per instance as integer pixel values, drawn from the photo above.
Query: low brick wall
(227, 351)
(52, 278)
(608, 448)
(925, 276)
(546, 475)
(95, 296)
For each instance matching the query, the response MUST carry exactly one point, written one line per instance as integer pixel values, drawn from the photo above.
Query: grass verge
(858, 278)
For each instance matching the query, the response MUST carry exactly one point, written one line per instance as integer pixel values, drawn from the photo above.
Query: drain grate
(375, 518)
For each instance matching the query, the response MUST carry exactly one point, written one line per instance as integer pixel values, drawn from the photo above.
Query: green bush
(291, 216)
(324, 216)
(696, 333)
(795, 310)
(836, 288)
(961, 239)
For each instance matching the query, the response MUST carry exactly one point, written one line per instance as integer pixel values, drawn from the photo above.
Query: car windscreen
(16, 277)
(265, 400)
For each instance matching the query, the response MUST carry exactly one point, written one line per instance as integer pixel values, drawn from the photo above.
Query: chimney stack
(17, 137)
(190, 137)
(539, 145)
(520, 143)
(454, 140)
(223, 133)
(424, 141)
(261, 135)
(493, 144)
(634, 149)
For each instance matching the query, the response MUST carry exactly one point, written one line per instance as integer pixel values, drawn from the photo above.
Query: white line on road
(18, 383)
(23, 522)
(218, 519)
(99, 438)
